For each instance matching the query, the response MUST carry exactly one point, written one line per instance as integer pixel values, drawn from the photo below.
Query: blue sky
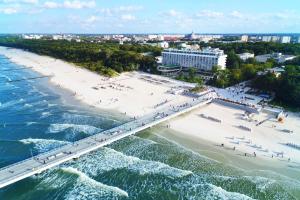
(149, 16)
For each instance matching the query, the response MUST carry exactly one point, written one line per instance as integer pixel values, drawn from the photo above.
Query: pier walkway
(44, 161)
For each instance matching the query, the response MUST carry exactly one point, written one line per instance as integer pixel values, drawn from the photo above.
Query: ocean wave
(44, 145)
(6, 77)
(261, 183)
(11, 103)
(30, 123)
(88, 188)
(74, 117)
(108, 159)
(219, 193)
(77, 128)
(45, 114)
(27, 105)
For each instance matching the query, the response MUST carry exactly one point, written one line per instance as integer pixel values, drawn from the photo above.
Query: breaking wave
(88, 188)
(108, 159)
(11, 103)
(44, 145)
(219, 193)
(87, 129)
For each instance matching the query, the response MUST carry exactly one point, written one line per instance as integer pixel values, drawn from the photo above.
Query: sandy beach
(264, 141)
(137, 94)
(133, 93)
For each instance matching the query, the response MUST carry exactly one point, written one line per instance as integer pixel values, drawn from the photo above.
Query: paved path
(42, 162)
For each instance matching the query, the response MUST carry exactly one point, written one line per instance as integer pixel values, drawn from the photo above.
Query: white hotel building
(202, 60)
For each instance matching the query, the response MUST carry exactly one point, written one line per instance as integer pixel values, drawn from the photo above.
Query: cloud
(31, 1)
(172, 13)
(121, 10)
(236, 14)
(92, 19)
(51, 4)
(132, 8)
(76, 4)
(8, 11)
(21, 1)
(128, 17)
(209, 14)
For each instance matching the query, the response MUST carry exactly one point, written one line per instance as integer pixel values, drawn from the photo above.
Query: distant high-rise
(285, 39)
(275, 39)
(191, 36)
(244, 38)
(267, 38)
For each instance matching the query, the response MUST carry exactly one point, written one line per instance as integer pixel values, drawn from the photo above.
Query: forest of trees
(286, 87)
(258, 48)
(104, 58)
(238, 70)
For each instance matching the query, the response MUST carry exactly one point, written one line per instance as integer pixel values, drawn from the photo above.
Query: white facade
(246, 56)
(275, 39)
(285, 39)
(202, 60)
(267, 38)
(164, 45)
(244, 38)
(278, 57)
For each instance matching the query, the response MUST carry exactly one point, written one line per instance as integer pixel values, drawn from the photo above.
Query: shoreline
(212, 151)
(135, 94)
(265, 141)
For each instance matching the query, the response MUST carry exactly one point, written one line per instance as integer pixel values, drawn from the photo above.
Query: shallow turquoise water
(34, 119)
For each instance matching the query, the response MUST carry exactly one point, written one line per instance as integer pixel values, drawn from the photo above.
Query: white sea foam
(45, 114)
(77, 128)
(11, 103)
(43, 145)
(27, 105)
(219, 193)
(30, 123)
(84, 178)
(80, 191)
(261, 183)
(108, 159)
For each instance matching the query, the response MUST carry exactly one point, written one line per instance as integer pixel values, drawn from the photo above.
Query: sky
(149, 16)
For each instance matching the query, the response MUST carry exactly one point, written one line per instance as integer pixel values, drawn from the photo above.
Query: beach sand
(133, 93)
(265, 140)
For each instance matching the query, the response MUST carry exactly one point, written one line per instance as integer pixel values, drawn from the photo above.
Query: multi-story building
(164, 45)
(246, 56)
(275, 39)
(278, 57)
(244, 38)
(285, 39)
(202, 60)
(267, 38)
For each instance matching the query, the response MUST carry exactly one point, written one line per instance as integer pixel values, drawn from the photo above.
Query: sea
(36, 117)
